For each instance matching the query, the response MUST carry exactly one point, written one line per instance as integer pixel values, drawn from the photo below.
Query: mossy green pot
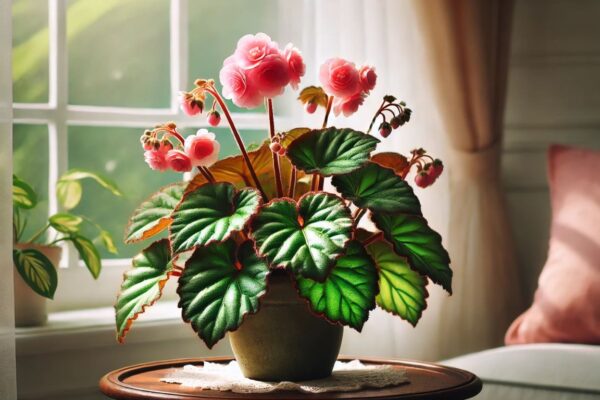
(284, 341)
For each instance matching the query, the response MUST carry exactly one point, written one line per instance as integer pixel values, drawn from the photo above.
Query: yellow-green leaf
(65, 222)
(88, 253)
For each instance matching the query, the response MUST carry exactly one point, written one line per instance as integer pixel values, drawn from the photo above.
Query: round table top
(427, 381)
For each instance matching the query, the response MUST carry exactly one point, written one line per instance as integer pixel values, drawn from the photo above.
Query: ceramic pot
(30, 307)
(284, 340)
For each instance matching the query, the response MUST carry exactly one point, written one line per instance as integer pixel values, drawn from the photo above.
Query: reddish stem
(276, 166)
(238, 139)
(206, 173)
(292, 186)
(327, 111)
(373, 238)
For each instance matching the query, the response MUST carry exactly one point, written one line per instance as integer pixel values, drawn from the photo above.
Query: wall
(553, 97)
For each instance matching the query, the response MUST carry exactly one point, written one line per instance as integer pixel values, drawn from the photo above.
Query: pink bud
(189, 104)
(275, 147)
(214, 118)
(310, 107)
(423, 179)
(395, 122)
(385, 130)
(436, 168)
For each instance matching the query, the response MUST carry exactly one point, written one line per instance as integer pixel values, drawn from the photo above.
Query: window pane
(213, 38)
(119, 53)
(30, 163)
(30, 51)
(116, 153)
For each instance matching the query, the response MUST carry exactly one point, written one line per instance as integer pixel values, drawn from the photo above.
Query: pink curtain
(468, 42)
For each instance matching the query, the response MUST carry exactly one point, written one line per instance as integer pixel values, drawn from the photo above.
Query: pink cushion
(566, 307)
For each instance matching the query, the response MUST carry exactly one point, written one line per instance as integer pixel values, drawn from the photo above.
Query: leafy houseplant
(256, 231)
(37, 257)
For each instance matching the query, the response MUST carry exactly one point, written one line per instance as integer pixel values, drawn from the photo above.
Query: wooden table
(427, 381)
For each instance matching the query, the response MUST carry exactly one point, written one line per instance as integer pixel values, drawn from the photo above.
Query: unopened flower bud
(436, 168)
(385, 129)
(275, 147)
(389, 98)
(148, 145)
(395, 122)
(422, 179)
(310, 107)
(171, 125)
(214, 118)
(166, 144)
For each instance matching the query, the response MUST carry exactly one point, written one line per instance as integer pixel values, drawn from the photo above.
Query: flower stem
(276, 166)
(292, 186)
(327, 111)
(207, 175)
(375, 116)
(358, 215)
(238, 139)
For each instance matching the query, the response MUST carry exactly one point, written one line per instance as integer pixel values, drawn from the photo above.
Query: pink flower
(156, 158)
(189, 104)
(368, 78)
(339, 78)
(295, 64)
(348, 105)
(178, 161)
(252, 49)
(202, 148)
(237, 87)
(270, 76)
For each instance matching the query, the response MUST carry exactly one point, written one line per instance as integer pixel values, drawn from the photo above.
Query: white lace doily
(347, 377)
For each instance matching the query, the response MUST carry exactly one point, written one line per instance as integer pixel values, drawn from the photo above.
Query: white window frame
(76, 287)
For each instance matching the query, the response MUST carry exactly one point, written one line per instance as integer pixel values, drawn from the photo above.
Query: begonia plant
(242, 217)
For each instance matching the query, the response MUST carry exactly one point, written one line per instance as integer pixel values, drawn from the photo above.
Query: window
(88, 77)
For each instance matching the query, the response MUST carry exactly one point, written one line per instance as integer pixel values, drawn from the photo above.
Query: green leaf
(402, 291)
(348, 293)
(23, 195)
(378, 189)
(153, 215)
(219, 286)
(292, 135)
(108, 242)
(37, 271)
(88, 253)
(331, 151)
(211, 213)
(142, 284)
(68, 193)
(68, 188)
(413, 238)
(65, 222)
(307, 237)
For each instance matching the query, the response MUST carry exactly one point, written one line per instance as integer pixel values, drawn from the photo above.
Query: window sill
(66, 358)
(71, 330)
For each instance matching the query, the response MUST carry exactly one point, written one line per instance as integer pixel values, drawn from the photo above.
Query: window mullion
(178, 50)
(58, 100)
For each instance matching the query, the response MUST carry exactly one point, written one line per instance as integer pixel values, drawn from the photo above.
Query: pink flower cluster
(258, 69)
(200, 149)
(348, 84)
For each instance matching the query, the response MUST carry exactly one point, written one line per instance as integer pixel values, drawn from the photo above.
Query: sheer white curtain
(382, 33)
(7, 337)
